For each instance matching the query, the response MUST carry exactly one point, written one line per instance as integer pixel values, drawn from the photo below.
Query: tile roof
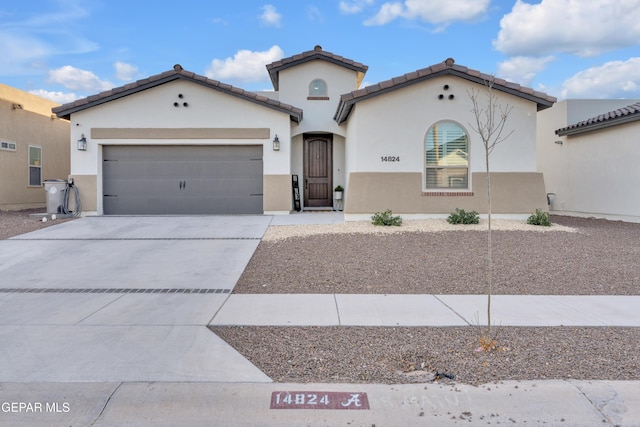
(448, 67)
(626, 114)
(317, 53)
(65, 111)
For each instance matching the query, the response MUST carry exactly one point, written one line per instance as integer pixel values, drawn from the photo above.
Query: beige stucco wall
(591, 174)
(278, 195)
(87, 198)
(220, 117)
(30, 125)
(512, 193)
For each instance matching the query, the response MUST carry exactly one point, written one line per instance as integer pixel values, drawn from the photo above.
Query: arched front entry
(318, 169)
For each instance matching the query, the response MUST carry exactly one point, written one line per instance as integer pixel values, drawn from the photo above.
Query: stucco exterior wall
(591, 174)
(513, 193)
(154, 110)
(395, 125)
(29, 124)
(318, 114)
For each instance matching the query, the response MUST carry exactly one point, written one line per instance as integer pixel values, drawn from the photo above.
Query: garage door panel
(222, 188)
(142, 188)
(158, 180)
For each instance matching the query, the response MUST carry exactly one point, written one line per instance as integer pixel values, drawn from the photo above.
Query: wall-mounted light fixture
(82, 143)
(276, 143)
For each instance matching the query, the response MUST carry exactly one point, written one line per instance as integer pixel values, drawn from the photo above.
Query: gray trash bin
(55, 194)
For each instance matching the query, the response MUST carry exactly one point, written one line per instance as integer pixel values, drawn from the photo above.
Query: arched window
(447, 156)
(317, 87)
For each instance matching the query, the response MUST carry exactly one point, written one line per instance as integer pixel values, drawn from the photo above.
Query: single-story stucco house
(181, 143)
(34, 147)
(587, 151)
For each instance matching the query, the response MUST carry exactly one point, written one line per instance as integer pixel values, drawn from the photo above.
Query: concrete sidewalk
(427, 310)
(532, 403)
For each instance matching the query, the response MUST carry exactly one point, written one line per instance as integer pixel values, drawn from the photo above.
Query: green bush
(539, 218)
(462, 217)
(386, 218)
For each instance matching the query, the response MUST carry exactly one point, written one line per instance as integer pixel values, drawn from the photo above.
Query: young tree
(490, 120)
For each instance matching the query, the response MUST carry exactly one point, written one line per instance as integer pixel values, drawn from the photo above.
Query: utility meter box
(55, 189)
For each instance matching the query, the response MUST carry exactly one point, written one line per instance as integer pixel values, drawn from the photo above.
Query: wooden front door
(318, 191)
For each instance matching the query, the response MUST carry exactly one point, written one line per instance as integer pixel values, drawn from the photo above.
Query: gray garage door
(179, 180)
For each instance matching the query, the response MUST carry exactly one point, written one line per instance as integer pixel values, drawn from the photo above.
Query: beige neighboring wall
(512, 193)
(25, 120)
(277, 192)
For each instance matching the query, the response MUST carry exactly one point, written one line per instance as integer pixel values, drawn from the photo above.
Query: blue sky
(68, 49)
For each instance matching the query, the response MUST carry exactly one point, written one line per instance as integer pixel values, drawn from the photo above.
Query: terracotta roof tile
(626, 114)
(347, 101)
(65, 111)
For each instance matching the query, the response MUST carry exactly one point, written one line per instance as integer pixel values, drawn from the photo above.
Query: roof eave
(64, 112)
(346, 106)
(570, 131)
(542, 103)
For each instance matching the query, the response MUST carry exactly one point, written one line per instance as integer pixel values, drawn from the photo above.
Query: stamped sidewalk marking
(318, 400)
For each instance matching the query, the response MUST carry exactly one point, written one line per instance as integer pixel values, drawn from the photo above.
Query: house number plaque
(318, 400)
(390, 158)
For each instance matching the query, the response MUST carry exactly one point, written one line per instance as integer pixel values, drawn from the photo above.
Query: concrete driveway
(103, 299)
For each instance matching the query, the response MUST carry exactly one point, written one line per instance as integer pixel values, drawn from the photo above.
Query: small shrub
(386, 218)
(462, 217)
(539, 218)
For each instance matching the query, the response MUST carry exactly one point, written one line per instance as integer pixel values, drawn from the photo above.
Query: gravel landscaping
(14, 223)
(576, 256)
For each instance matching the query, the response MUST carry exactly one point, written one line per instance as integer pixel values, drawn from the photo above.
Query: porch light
(82, 143)
(276, 143)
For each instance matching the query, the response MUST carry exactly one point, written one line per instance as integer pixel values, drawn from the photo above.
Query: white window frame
(37, 164)
(444, 167)
(8, 146)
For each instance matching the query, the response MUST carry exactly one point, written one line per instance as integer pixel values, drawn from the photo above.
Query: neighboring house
(180, 143)
(588, 152)
(34, 146)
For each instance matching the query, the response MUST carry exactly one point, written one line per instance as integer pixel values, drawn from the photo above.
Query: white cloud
(270, 17)
(59, 97)
(26, 42)
(125, 72)
(314, 14)
(219, 21)
(353, 6)
(387, 13)
(76, 79)
(431, 11)
(584, 28)
(522, 69)
(615, 79)
(245, 66)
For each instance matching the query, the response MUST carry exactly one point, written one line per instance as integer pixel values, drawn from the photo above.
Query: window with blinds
(447, 156)
(35, 166)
